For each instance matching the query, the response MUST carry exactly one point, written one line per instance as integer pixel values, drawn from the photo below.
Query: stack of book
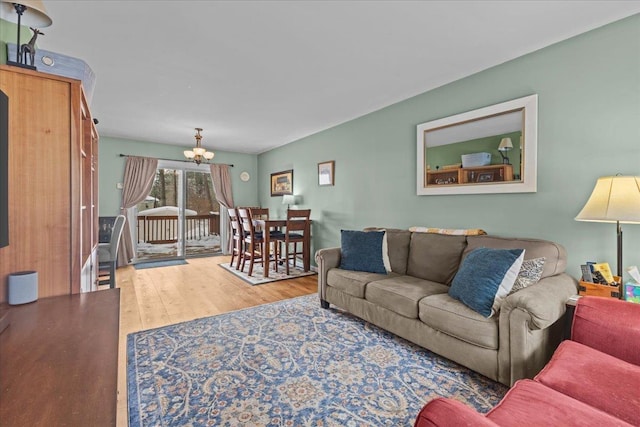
(597, 280)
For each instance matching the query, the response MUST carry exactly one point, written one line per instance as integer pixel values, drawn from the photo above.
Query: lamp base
(18, 64)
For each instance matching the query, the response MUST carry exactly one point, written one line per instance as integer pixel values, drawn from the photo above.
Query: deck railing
(164, 229)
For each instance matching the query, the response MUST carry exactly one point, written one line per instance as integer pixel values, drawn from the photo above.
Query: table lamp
(288, 199)
(504, 147)
(614, 199)
(24, 12)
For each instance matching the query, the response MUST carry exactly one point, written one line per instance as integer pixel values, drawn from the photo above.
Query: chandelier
(198, 154)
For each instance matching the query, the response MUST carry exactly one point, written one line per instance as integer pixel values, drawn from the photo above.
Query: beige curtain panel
(139, 173)
(224, 193)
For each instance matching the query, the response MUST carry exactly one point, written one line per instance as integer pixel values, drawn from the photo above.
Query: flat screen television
(4, 170)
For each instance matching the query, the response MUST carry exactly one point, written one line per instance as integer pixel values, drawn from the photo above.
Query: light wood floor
(155, 297)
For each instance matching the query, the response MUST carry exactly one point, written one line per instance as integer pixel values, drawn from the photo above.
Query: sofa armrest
(450, 412)
(608, 325)
(326, 259)
(531, 326)
(544, 302)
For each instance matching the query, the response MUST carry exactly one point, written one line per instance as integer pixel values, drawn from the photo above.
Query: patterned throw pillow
(530, 273)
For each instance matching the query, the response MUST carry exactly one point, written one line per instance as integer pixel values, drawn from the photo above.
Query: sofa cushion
(401, 294)
(595, 378)
(448, 315)
(398, 242)
(450, 412)
(486, 277)
(352, 282)
(596, 317)
(435, 257)
(362, 251)
(555, 254)
(529, 403)
(397, 247)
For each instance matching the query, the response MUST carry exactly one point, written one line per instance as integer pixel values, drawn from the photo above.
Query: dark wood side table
(59, 361)
(568, 317)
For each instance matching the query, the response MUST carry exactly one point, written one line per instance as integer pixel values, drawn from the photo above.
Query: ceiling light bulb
(199, 151)
(189, 154)
(208, 155)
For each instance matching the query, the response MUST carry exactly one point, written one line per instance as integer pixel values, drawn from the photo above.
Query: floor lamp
(614, 199)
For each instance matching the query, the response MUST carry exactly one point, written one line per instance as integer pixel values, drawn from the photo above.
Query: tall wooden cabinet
(53, 147)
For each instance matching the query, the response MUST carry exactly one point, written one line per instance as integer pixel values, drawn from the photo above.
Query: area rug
(289, 363)
(257, 279)
(155, 264)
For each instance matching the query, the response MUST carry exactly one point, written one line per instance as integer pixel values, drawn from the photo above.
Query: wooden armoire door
(44, 190)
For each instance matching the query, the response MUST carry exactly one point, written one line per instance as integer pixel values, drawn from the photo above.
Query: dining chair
(259, 213)
(297, 231)
(237, 238)
(108, 254)
(252, 242)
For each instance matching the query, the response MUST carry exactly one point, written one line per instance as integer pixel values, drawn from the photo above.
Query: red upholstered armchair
(592, 379)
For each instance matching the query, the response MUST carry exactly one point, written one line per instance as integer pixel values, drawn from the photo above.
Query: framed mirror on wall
(489, 150)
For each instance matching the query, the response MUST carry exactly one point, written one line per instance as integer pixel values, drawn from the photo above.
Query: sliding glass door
(181, 216)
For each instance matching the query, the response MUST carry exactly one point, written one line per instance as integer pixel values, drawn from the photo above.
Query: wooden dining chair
(259, 213)
(275, 235)
(238, 238)
(298, 231)
(252, 242)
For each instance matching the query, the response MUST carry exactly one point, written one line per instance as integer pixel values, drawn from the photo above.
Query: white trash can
(23, 287)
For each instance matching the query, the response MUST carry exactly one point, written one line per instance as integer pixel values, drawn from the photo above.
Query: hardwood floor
(155, 297)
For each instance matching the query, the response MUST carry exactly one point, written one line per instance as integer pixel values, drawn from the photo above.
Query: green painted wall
(111, 169)
(588, 126)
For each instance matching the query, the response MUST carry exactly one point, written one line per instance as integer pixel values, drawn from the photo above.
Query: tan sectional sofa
(412, 301)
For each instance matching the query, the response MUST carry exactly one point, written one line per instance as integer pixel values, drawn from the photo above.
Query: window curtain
(222, 187)
(139, 174)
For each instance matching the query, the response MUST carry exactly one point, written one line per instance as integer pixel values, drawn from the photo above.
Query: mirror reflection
(485, 150)
(489, 150)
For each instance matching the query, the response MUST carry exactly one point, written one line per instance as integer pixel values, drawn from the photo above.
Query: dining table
(266, 225)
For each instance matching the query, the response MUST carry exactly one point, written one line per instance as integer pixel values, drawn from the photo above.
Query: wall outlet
(119, 186)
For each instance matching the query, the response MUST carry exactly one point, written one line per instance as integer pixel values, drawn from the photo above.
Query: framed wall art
(282, 183)
(325, 172)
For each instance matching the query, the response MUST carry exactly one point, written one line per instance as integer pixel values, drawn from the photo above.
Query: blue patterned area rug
(289, 363)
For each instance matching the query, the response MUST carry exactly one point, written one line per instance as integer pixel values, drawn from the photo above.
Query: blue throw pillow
(485, 278)
(362, 251)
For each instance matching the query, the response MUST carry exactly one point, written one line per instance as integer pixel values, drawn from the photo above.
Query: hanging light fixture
(198, 154)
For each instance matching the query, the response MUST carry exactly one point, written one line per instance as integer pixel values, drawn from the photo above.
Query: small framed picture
(485, 177)
(282, 183)
(325, 172)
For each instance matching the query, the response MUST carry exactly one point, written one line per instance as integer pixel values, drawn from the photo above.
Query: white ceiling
(260, 74)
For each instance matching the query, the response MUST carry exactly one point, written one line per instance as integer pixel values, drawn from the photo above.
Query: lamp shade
(35, 14)
(288, 199)
(614, 199)
(505, 144)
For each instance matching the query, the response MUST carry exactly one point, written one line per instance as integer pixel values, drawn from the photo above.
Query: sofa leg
(324, 304)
